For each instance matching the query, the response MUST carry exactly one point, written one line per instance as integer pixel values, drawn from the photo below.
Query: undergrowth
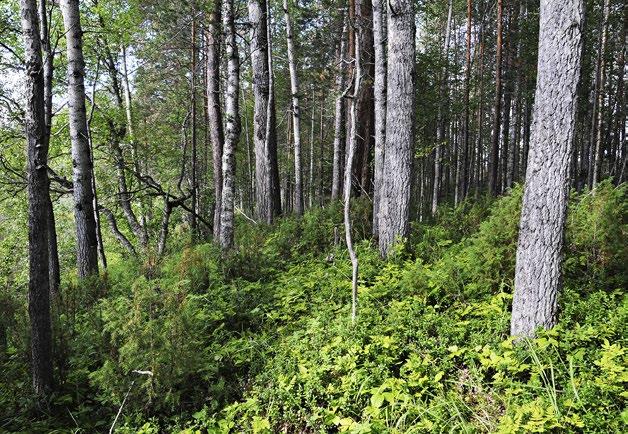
(261, 341)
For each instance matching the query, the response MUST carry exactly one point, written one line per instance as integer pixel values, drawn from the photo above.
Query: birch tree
(379, 42)
(232, 124)
(537, 275)
(296, 113)
(86, 242)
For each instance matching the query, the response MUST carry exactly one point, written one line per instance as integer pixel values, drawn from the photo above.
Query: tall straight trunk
(353, 131)
(513, 156)
(462, 185)
(379, 38)
(339, 113)
(366, 113)
(480, 117)
(214, 110)
(321, 147)
(395, 201)
(264, 135)
(296, 113)
(271, 121)
(442, 105)
(193, 177)
(86, 251)
(232, 115)
(38, 204)
(537, 274)
(597, 158)
(48, 67)
(497, 108)
(310, 183)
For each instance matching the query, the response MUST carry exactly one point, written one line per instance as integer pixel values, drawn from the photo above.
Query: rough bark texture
(296, 113)
(264, 136)
(379, 42)
(86, 243)
(537, 275)
(38, 203)
(395, 201)
(214, 112)
(232, 123)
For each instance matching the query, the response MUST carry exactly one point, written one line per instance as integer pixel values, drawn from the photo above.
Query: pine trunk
(537, 275)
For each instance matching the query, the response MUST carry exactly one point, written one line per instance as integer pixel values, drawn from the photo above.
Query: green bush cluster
(261, 340)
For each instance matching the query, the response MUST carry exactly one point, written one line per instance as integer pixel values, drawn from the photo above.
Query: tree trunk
(86, 251)
(497, 109)
(232, 135)
(353, 115)
(38, 204)
(263, 133)
(214, 111)
(48, 65)
(379, 38)
(537, 275)
(310, 183)
(396, 191)
(442, 105)
(296, 113)
(597, 159)
(339, 112)
(193, 177)
(462, 185)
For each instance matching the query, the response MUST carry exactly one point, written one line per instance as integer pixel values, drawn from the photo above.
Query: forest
(313, 216)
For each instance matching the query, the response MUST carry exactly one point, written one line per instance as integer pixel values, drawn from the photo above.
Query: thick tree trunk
(395, 201)
(271, 121)
(214, 111)
(232, 135)
(379, 38)
(493, 186)
(38, 204)
(442, 105)
(296, 113)
(193, 157)
(264, 118)
(537, 275)
(339, 113)
(86, 251)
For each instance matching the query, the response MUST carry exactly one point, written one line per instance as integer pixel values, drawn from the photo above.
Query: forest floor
(262, 341)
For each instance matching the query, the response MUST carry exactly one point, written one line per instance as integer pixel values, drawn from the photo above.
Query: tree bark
(296, 113)
(379, 38)
(264, 129)
(214, 110)
(38, 204)
(339, 113)
(395, 201)
(232, 135)
(348, 173)
(462, 185)
(537, 275)
(86, 251)
(497, 109)
(48, 66)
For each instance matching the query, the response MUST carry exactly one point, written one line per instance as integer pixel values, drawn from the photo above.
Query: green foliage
(261, 341)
